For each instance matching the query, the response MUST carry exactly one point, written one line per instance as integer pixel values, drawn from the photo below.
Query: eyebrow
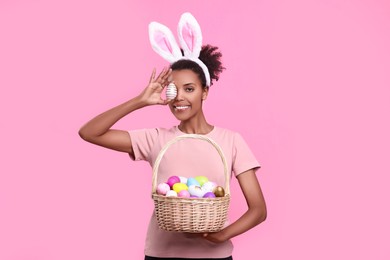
(188, 84)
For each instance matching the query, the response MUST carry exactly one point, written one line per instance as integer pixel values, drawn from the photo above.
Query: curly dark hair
(210, 56)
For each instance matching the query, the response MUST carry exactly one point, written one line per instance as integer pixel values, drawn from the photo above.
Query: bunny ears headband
(190, 38)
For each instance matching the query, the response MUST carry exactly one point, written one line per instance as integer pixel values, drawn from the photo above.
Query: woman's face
(190, 94)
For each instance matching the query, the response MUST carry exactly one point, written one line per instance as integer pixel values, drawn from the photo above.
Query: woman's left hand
(256, 213)
(216, 237)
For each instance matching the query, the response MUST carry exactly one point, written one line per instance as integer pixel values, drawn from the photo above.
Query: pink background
(307, 84)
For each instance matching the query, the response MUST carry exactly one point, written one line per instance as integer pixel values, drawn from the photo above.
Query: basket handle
(193, 136)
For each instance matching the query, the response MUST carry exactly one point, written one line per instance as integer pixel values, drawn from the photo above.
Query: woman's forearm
(98, 130)
(100, 124)
(250, 219)
(256, 213)
(151, 95)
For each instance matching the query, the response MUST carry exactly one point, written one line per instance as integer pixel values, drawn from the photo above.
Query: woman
(192, 89)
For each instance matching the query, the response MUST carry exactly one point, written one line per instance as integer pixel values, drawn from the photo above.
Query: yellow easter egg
(179, 187)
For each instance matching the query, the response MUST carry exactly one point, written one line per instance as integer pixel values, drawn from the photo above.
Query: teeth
(181, 107)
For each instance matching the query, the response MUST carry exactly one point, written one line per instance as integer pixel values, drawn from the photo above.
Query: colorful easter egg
(179, 187)
(162, 188)
(219, 191)
(192, 181)
(172, 180)
(209, 195)
(171, 91)
(184, 194)
(201, 179)
(171, 193)
(183, 179)
(196, 191)
(209, 186)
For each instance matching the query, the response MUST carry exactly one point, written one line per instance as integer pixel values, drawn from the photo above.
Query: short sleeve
(142, 142)
(243, 158)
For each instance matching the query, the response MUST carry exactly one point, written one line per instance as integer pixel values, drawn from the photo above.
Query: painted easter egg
(196, 191)
(183, 179)
(162, 188)
(192, 181)
(184, 194)
(209, 195)
(179, 187)
(172, 180)
(171, 193)
(171, 91)
(209, 186)
(201, 179)
(219, 191)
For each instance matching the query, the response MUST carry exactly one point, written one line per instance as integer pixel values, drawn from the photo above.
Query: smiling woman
(192, 78)
(187, 105)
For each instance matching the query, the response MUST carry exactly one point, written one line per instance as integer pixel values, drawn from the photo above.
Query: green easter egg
(201, 179)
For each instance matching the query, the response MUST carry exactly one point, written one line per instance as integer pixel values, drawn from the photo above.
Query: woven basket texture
(193, 215)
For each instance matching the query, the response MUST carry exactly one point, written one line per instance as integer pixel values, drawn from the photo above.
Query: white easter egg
(209, 186)
(171, 91)
(183, 179)
(171, 193)
(196, 191)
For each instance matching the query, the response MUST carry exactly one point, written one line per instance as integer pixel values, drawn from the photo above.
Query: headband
(190, 38)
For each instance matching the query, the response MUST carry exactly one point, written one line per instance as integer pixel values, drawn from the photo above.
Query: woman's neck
(196, 126)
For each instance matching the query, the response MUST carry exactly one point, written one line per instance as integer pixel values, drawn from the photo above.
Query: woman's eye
(189, 89)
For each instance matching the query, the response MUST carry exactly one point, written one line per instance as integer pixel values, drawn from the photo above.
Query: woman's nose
(179, 95)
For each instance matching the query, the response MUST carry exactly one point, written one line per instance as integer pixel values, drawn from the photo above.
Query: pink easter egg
(172, 180)
(184, 194)
(162, 188)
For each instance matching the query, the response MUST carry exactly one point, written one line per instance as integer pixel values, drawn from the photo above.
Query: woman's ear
(205, 92)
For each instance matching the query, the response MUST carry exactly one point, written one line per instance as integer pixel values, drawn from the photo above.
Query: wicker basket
(193, 215)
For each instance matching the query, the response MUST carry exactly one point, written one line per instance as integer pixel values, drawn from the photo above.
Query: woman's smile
(180, 108)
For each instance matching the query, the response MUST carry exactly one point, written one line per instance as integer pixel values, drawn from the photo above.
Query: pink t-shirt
(190, 158)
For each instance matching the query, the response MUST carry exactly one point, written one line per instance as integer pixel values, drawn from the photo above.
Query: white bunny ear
(190, 35)
(163, 42)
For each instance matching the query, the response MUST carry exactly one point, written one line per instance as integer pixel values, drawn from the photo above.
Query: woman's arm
(256, 213)
(98, 130)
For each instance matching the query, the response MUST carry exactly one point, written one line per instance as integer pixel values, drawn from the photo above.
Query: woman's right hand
(151, 95)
